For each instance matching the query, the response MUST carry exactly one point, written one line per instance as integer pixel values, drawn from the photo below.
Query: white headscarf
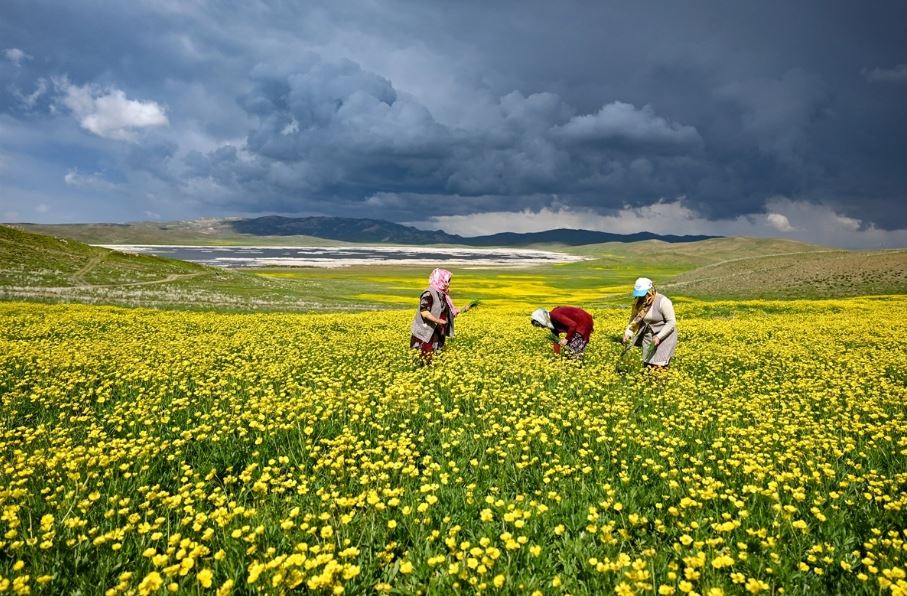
(541, 316)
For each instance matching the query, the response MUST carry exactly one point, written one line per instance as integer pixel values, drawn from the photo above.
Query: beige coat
(660, 321)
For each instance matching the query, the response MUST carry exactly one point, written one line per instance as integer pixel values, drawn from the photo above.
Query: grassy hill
(46, 268)
(46, 261)
(814, 274)
(211, 232)
(695, 254)
(39, 267)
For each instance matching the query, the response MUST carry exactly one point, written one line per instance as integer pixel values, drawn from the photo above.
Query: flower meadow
(153, 451)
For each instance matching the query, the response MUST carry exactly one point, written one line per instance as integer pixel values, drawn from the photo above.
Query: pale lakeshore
(348, 256)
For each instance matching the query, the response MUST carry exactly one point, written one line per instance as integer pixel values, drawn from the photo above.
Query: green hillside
(46, 261)
(46, 268)
(817, 274)
(202, 232)
(695, 254)
(747, 268)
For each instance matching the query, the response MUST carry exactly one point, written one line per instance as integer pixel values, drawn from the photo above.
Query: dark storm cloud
(336, 131)
(389, 108)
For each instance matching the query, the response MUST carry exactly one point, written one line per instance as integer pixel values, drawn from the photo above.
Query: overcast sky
(771, 118)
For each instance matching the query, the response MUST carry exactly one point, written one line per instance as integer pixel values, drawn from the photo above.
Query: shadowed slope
(39, 267)
(818, 274)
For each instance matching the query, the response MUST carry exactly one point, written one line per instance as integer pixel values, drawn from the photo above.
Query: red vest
(570, 320)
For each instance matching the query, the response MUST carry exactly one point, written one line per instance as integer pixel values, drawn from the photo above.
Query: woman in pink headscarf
(433, 322)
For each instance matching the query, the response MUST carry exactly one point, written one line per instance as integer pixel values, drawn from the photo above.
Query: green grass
(46, 268)
(214, 232)
(824, 274)
(587, 282)
(39, 267)
(44, 261)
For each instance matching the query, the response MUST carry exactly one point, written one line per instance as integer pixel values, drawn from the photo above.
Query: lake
(344, 256)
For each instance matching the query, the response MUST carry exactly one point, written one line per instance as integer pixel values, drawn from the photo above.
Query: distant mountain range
(317, 230)
(374, 230)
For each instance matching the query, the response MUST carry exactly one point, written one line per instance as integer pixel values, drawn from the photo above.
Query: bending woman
(654, 313)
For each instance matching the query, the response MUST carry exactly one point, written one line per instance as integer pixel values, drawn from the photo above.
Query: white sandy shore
(348, 256)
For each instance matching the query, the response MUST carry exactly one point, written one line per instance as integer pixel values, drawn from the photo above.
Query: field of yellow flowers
(149, 451)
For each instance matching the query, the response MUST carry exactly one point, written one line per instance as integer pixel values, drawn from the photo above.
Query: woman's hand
(562, 341)
(655, 341)
(431, 318)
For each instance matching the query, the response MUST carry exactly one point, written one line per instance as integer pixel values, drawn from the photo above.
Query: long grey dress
(661, 322)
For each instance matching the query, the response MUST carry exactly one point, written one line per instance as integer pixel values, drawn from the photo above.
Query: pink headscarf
(440, 280)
